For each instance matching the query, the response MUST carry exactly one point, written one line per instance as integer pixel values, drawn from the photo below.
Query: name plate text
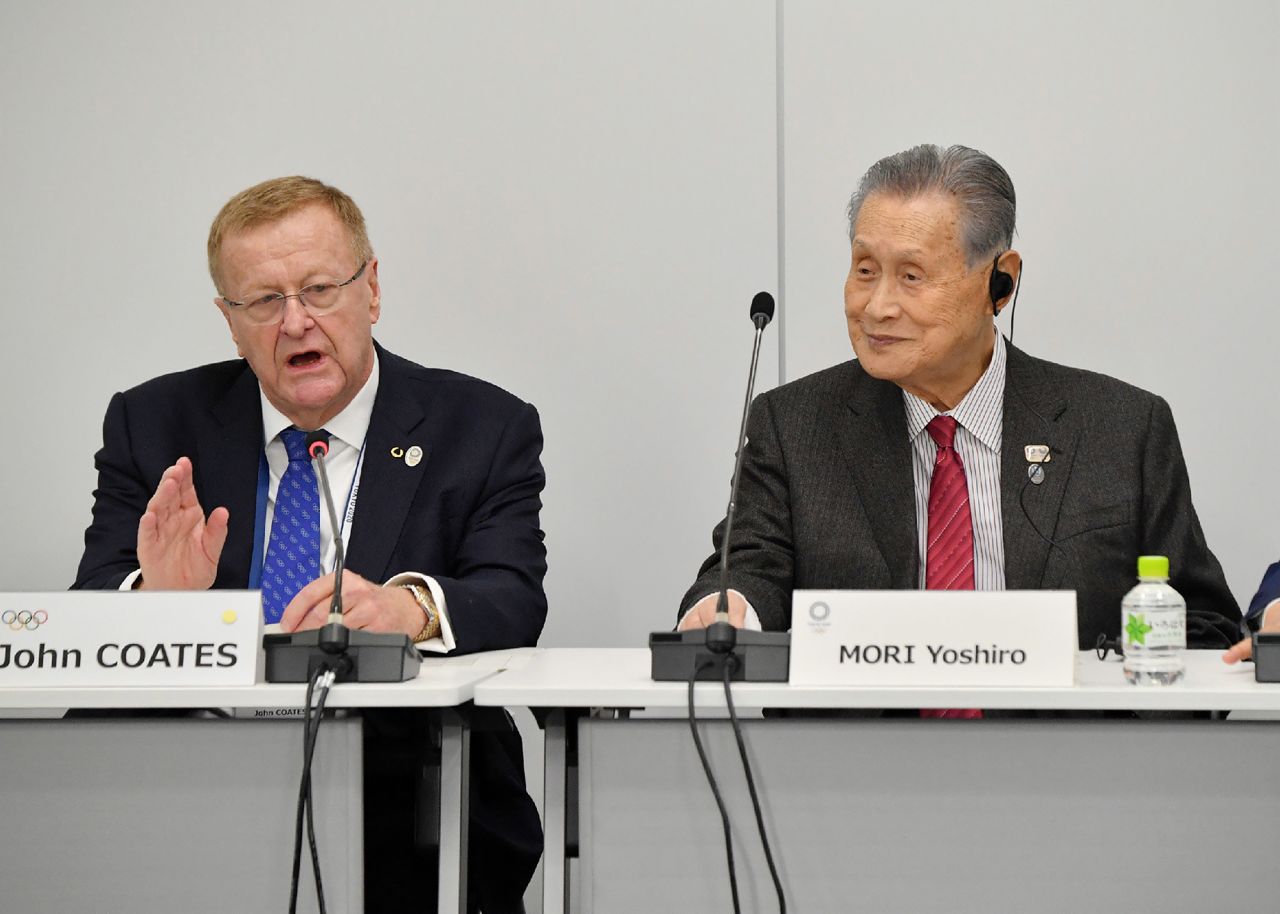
(933, 638)
(109, 638)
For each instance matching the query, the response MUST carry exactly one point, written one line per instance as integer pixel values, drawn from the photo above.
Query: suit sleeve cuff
(444, 643)
(751, 622)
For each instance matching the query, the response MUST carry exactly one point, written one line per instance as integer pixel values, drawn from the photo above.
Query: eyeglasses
(317, 298)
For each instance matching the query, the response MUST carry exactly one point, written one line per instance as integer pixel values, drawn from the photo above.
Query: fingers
(164, 501)
(184, 476)
(148, 531)
(703, 613)
(314, 617)
(215, 533)
(737, 610)
(370, 607)
(700, 615)
(1242, 650)
(318, 593)
(167, 503)
(310, 607)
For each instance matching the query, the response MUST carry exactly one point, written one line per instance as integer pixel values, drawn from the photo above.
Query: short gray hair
(980, 185)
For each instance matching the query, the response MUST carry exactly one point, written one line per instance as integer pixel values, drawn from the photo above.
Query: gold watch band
(430, 628)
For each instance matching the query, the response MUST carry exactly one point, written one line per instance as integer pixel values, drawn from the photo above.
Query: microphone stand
(335, 637)
(721, 635)
(353, 656)
(750, 656)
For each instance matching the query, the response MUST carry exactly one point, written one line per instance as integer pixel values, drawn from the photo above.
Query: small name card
(933, 637)
(109, 638)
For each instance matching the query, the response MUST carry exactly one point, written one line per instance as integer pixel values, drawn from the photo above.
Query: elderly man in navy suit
(203, 482)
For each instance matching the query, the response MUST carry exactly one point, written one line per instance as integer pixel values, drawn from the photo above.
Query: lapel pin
(413, 456)
(1035, 473)
(1037, 453)
(397, 452)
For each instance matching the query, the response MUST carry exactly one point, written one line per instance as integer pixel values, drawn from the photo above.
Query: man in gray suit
(1051, 477)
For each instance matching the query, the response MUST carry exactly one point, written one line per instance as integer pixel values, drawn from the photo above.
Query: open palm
(178, 549)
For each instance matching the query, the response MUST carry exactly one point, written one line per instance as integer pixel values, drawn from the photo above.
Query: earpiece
(1000, 286)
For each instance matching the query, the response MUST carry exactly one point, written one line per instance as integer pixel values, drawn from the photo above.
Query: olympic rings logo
(24, 619)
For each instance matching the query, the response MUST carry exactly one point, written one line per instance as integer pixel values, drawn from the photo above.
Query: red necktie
(949, 561)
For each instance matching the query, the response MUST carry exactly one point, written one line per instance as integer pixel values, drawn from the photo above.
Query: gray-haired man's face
(917, 314)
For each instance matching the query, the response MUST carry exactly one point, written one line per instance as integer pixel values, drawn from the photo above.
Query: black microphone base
(367, 656)
(760, 657)
(1266, 656)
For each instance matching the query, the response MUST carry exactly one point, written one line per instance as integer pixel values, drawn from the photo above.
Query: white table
(217, 748)
(849, 799)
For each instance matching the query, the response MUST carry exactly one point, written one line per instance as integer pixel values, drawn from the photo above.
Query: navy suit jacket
(467, 514)
(1268, 590)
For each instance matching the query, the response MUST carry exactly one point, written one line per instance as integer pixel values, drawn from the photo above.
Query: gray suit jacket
(827, 498)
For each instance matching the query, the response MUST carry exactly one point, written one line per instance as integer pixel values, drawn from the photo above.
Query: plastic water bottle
(1153, 626)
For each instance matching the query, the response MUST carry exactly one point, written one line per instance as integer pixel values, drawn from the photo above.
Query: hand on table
(365, 605)
(1243, 650)
(703, 613)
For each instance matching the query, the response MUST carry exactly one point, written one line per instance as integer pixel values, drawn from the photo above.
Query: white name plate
(109, 638)
(933, 637)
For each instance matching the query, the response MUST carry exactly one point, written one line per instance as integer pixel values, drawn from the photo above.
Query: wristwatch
(430, 628)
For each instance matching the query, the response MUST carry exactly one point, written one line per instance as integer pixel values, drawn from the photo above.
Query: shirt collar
(980, 411)
(350, 426)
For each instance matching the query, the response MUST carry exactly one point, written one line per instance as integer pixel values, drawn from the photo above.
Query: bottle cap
(1153, 566)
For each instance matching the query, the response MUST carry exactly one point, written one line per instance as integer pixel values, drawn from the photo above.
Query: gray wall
(577, 200)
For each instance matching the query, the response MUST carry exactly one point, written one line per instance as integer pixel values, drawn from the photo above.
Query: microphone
(721, 635)
(318, 449)
(761, 309)
(352, 656)
(721, 648)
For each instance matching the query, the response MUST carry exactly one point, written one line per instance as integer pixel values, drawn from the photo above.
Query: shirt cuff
(444, 643)
(1265, 610)
(751, 622)
(127, 583)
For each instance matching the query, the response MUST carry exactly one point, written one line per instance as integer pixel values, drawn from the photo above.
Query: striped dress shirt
(980, 418)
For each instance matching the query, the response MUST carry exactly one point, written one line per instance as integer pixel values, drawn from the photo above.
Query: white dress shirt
(980, 423)
(347, 432)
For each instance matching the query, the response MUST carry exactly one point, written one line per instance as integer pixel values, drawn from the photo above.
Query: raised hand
(178, 549)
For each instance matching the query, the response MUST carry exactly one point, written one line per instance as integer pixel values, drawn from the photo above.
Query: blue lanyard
(259, 523)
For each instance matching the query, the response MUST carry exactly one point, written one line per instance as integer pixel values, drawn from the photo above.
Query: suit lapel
(1034, 413)
(228, 451)
(387, 481)
(873, 432)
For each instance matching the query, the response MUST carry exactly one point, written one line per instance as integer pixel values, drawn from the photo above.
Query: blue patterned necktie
(293, 554)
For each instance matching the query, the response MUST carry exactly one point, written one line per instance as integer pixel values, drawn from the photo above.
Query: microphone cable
(322, 678)
(751, 786)
(711, 778)
(730, 664)
(721, 636)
